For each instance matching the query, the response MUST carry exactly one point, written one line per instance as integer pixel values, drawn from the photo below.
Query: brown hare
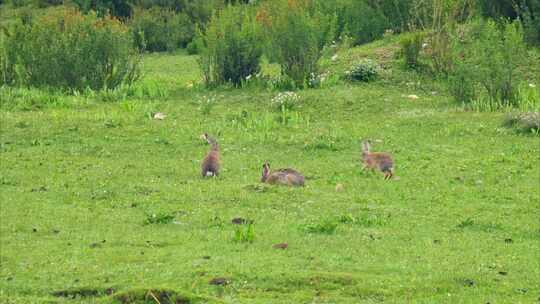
(377, 160)
(288, 176)
(210, 165)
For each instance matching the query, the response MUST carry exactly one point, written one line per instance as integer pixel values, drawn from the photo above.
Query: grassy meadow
(100, 203)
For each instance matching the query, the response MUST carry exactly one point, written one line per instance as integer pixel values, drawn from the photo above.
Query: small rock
(159, 116)
(281, 246)
(339, 187)
(412, 96)
(335, 57)
(219, 281)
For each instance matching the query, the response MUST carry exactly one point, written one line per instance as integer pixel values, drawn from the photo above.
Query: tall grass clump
(161, 29)
(297, 34)
(68, 50)
(411, 45)
(230, 48)
(488, 59)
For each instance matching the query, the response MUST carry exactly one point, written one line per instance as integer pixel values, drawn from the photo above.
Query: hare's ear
(365, 145)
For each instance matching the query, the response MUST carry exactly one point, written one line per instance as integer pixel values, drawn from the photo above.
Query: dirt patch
(219, 281)
(281, 246)
(241, 221)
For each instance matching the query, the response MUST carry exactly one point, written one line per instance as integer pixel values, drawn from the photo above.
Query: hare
(210, 165)
(377, 160)
(288, 176)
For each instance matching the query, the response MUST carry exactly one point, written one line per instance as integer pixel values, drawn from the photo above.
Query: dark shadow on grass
(143, 296)
(84, 292)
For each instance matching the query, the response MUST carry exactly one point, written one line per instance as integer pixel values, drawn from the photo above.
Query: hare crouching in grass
(288, 176)
(210, 165)
(377, 160)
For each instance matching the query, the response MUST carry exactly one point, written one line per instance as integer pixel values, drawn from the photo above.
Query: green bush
(159, 29)
(66, 49)
(230, 48)
(297, 36)
(487, 60)
(365, 70)
(411, 45)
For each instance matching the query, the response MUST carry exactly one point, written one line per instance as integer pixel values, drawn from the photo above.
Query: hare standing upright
(288, 176)
(377, 160)
(210, 165)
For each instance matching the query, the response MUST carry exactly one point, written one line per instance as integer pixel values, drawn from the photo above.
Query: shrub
(75, 51)
(365, 70)
(489, 59)
(361, 21)
(460, 84)
(192, 48)
(297, 36)
(411, 45)
(159, 29)
(530, 15)
(117, 8)
(230, 48)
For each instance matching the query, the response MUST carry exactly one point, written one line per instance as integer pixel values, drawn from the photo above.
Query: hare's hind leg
(388, 175)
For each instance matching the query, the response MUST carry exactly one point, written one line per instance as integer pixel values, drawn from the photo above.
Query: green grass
(100, 203)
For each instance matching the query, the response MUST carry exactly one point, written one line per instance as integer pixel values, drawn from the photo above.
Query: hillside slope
(101, 203)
